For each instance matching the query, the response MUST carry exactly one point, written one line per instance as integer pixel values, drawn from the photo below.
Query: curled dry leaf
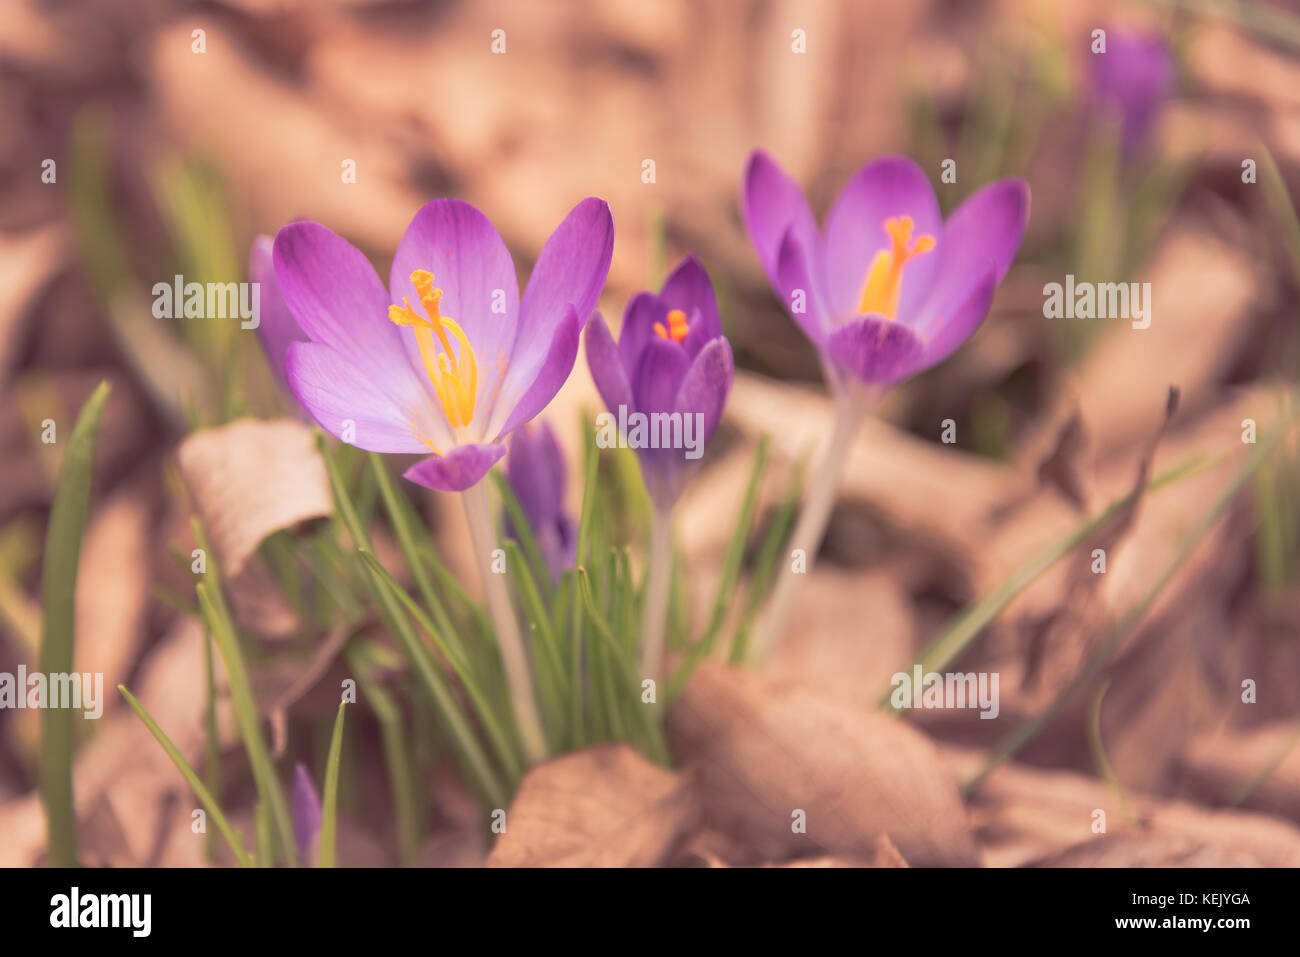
(1258, 767)
(1030, 816)
(250, 479)
(762, 752)
(603, 807)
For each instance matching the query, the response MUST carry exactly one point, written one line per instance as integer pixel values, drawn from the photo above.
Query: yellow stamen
(454, 376)
(677, 326)
(883, 286)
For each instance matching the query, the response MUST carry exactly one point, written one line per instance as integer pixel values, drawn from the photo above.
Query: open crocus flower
(670, 371)
(1133, 78)
(462, 368)
(886, 289)
(535, 470)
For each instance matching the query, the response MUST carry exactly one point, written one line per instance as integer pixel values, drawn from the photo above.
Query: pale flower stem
(654, 609)
(811, 526)
(514, 655)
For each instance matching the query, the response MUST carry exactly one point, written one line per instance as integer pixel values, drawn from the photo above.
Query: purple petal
(458, 469)
(473, 268)
(548, 376)
(305, 811)
(348, 404)
(1135, 77)
(606, 365)
(662, 368)
(570, 270)
(793, 278)
(876, 350)
(855, 231)
(689, 289)
(961, 324)
(982, 234)
(639, 318)
(535, 470)
(707, 383)
(336, 297)
(276, 327)
(772, 204)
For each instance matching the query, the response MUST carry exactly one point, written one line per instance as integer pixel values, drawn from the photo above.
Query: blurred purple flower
(455, 380)
(276, 327)
(305, 810)
(671, 357)
(535, 470)
(1133, 79)
(886, 288)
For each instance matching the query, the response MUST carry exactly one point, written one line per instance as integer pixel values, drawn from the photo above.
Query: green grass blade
(501, 739)
(408, 827)
(407, 528)
(736, 548)
(643, 714)
(263, 842)
(329, 818)
(58, 627)
(196, 784)
(246, 716)
(523, 532)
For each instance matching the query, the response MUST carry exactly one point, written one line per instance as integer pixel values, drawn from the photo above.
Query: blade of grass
(246, 716)
(736, 548)
(577, 698)
(392, 732)
(405, 525)
(263, 843)
(523, 531)
(502, 740)
(230, 835)
(654, 739)
(212, 742)
(58, 627)
(329, 818)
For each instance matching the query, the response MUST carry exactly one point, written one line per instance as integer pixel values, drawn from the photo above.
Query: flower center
(454, 377)
(884, 283)
(677, 326)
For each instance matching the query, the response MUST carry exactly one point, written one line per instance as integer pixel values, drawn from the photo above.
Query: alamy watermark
(130, 911)
(214, 300)
(1098, 300)
(933, 691)
(653, 430)
(81, 690)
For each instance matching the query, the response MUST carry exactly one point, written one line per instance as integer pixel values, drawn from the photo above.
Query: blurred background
(145, 138)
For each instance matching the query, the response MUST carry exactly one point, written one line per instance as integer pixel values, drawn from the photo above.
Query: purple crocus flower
(535, 470)
(1133, 78)
(467, 365)
(886, 288)
(276, 327)
(671, 357)
(304, 808)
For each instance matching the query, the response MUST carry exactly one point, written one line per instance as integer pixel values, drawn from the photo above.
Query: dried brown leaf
(762, 751)
(603, 807)
(252, 478)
